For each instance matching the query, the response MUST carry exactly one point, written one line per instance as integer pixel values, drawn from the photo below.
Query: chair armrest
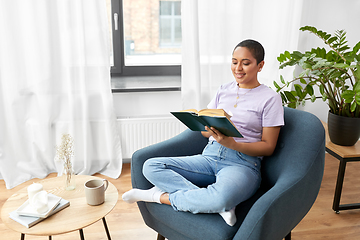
(185, 144)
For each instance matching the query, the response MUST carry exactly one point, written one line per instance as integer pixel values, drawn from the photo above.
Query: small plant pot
(344, 131)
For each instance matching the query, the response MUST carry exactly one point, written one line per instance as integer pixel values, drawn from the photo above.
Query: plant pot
(344, 131)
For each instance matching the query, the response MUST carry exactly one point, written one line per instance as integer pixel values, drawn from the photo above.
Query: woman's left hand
(221, 138)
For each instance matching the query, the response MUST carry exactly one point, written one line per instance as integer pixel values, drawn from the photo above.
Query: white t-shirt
(256, 108)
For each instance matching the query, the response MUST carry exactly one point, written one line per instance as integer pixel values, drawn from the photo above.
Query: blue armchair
(291, 180)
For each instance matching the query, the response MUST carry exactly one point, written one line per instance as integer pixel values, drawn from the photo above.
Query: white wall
(146, 104)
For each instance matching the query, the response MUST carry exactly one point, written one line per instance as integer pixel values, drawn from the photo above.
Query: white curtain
(212, 28)
(55, 79)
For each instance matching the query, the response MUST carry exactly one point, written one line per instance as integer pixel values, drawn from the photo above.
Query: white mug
(95, 191)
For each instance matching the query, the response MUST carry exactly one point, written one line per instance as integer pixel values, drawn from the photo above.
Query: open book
(217, 118)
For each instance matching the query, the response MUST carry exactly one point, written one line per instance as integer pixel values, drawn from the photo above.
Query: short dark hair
(256, 49)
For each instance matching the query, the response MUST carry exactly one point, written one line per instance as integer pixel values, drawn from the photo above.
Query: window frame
(119, 69)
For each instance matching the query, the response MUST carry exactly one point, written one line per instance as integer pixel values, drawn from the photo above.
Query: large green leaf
(287, 54)
(353, 106)
(297, 55)
(348, 96)
(290, 96)
(281, 58)
(321, 88)
(331, 40)
(292, 105)
(313, 98)
(341, 65)
(303, 81)
(309, 28)
(298, 90)
(277, 86)
(283, 98)
(356, 48)
(282, 79)
(310, 90)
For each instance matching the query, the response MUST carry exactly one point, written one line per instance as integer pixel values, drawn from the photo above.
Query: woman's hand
(205, 134)
(228, 142)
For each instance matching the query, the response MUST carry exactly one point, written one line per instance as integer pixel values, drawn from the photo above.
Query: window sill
(145, 83)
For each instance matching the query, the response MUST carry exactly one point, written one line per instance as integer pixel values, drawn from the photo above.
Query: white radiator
(136, 133)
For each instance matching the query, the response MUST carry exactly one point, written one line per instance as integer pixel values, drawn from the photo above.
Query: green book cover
(197, 122)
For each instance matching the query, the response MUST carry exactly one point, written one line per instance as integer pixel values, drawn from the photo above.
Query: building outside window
(146, 33)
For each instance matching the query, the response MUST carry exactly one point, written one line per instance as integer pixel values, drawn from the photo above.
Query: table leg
(22, 237)
(339, 185)
(50, 237)
(160, 237)
(106, 228)
(288, 237)
(81, 234)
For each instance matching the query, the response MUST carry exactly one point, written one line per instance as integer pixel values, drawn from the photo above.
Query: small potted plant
(332, 75)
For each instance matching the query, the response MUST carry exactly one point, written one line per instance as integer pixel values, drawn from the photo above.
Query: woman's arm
(263, 148)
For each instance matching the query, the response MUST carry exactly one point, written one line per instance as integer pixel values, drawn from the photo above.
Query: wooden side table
(345, 154)
(75, 217)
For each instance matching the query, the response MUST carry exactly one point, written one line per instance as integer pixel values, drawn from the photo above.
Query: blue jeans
(215, 181)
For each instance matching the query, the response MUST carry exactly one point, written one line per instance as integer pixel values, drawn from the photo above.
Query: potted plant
(332, 75)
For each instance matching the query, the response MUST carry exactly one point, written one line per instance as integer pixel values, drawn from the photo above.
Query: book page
(191, 111)
(209, 112)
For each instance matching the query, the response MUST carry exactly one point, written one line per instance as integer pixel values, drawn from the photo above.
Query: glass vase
(69, 177)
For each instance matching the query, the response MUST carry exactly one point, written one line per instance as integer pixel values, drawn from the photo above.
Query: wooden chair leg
(288, 237)
(160, 237)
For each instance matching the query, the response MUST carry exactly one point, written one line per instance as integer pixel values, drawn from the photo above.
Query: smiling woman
(246, 63)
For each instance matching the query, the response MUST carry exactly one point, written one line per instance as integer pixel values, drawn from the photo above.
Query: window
(146, 37)
(170, 23)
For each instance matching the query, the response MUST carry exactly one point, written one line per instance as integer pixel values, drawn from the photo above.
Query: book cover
(196, 121)
(28, 221)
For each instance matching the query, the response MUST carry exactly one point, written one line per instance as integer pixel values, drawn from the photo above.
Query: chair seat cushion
(211, 226)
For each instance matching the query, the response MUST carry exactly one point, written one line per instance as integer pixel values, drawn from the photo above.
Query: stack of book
(28, 217)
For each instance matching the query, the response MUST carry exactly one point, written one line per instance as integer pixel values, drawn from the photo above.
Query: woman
(228, 171)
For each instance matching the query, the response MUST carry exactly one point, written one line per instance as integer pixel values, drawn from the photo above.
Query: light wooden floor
(321, 222)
